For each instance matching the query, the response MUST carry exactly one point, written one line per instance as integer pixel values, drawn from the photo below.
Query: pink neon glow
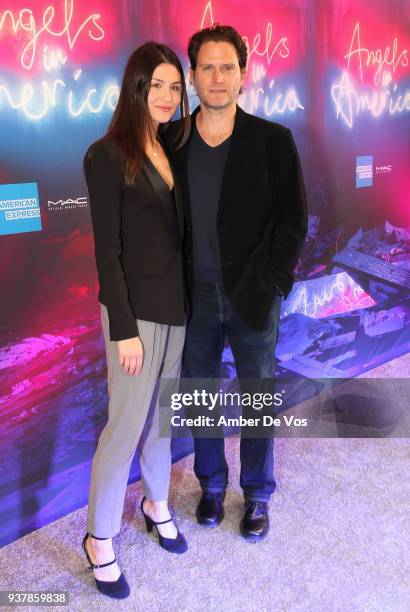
(29, 349)
(373, 63)
(80, 291)
(36, 37)
(276, 43)
(275, 39)
(275, 48)
(33, 367)
(390, 58)
(373, 50)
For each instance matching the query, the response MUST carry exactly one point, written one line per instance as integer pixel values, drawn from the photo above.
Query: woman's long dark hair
(131, 122)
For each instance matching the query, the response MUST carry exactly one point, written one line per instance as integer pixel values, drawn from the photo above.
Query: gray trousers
(132, 423)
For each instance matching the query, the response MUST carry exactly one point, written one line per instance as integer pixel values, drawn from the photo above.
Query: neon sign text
(349, 102)
(281, 47)
(36, 104)
(380, 58)
(341, 294)
(255, 98)
(26, 22)
(53, 59)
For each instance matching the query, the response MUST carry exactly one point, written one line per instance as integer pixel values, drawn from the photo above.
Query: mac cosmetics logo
(384, 169)
(69, 203)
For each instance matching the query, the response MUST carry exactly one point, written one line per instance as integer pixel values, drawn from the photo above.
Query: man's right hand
(131, 355)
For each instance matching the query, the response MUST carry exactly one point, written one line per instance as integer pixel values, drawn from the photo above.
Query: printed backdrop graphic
(336, 73)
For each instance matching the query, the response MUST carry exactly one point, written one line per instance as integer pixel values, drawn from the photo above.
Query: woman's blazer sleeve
(104, 181)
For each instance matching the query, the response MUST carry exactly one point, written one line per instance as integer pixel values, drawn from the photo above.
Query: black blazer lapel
(179, 203)
(181, 160)
(178, 189)
(236, 156)
(157, 183)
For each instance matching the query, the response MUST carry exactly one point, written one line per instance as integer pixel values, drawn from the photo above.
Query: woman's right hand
(131, 355)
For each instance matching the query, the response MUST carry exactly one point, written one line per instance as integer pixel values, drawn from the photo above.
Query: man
(246, 222)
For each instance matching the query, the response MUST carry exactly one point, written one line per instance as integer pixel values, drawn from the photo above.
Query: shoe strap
(152, 520)
(162, 522)
(93, 566)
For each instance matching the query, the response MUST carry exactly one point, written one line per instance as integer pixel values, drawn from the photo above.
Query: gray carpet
(339, 540)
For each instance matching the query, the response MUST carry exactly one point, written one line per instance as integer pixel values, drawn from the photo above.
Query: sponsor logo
(364, 171)
(69, 203)
(19, 208)
(384, 169)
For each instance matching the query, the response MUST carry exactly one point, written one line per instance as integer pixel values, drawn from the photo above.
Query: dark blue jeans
(212, 319)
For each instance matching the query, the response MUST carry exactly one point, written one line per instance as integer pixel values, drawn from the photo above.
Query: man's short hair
(217, 33)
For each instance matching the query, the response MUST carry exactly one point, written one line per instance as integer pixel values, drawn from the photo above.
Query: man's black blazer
(262, 215)
(138, 235)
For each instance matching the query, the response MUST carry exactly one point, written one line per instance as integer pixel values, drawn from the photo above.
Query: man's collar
(240, 117)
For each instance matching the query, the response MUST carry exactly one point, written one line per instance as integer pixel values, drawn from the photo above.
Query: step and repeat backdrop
(335, 72)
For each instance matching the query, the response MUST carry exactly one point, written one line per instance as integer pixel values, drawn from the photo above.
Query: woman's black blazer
(138, 235)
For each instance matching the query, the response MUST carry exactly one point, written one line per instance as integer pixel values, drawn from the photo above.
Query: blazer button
(227, 263)
(189, 261)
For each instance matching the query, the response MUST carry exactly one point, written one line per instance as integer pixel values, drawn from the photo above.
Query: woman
(137, 222)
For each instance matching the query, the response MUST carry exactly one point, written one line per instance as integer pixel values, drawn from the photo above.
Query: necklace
(162, 170)
(154, 148)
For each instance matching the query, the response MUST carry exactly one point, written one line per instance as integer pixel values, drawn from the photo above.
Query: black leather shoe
(210, 510)
(255, 522)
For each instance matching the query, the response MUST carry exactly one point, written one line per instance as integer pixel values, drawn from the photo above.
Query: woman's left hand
(131, 355)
